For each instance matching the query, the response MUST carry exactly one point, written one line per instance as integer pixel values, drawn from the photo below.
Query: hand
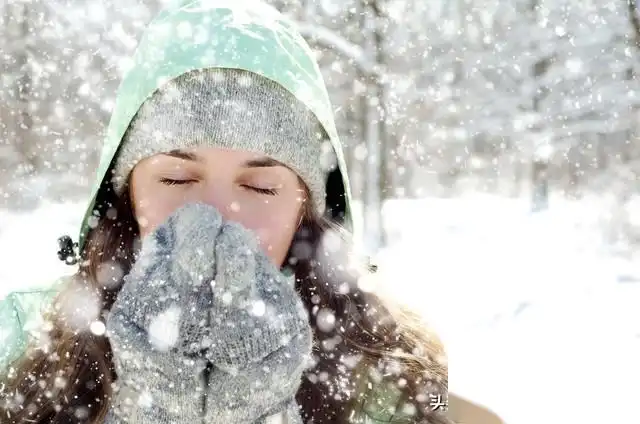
(158, 326)
(262, 335)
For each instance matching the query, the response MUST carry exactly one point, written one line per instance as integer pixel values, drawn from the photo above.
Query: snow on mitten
(262, 335)
(158, 326)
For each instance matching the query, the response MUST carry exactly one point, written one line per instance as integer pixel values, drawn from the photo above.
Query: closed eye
(172, 182)
(267, 191)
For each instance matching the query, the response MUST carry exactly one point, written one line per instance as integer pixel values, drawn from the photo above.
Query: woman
(210, 285)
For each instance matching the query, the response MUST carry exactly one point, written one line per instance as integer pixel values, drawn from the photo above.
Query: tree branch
(325, 37)
(634, 19)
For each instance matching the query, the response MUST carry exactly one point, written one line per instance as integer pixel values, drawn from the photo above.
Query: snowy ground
(540, 323)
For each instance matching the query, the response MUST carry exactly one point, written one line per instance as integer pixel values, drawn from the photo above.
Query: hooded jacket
(189, 35)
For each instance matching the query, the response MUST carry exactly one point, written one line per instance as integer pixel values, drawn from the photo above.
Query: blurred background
(494, 149)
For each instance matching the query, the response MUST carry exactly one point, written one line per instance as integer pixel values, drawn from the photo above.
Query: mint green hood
(197, 34)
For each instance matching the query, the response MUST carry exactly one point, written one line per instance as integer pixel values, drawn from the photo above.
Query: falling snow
(459, 120)
(165, 328)
(258, 308)
(80, 308)
(325, 320)
(110, 274)
(98, 328)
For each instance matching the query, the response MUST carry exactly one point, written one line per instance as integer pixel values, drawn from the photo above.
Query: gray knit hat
(227, 108)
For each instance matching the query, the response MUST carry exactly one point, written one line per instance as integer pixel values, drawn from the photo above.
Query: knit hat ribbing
(227, 108)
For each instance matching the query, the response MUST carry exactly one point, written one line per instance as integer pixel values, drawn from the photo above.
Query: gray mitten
(159, 325)
(262, 335)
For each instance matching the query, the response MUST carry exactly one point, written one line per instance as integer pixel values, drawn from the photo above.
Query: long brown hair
(371, 343)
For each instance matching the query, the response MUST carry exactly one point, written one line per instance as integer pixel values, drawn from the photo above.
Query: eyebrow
(262, 162)
(181, 154)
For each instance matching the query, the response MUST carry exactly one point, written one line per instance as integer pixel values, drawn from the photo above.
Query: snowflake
(325, 320)
(164, 329)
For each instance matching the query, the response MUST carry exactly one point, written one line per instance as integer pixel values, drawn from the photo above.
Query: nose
(221, 196)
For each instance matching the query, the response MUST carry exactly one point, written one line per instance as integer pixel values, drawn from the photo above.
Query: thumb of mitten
(167, 292)
(235, 252)
(255, 309)
(191, 232)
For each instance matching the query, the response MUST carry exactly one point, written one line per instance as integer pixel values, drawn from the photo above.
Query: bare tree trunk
(634, 20)
(21, 135)
(539, 164)
(540, 179)
(25, 120)
(385, 186)
(372, 204)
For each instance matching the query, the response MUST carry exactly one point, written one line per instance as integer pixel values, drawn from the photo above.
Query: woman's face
(259, 193)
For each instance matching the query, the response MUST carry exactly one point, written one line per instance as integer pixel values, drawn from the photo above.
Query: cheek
(152, 211)
(274, 233)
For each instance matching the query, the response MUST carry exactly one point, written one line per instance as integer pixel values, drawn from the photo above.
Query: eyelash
(171, 182)
(267, 191)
